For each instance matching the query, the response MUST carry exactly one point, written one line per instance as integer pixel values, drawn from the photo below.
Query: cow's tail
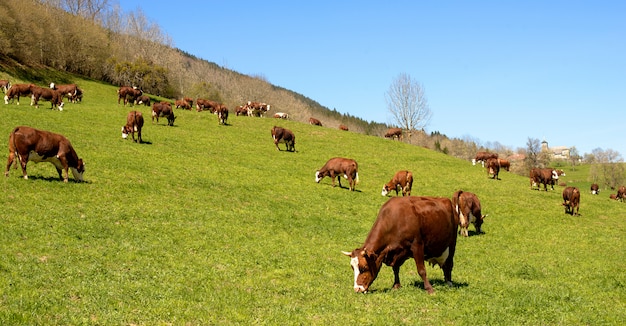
(458, 213)
(356, 169)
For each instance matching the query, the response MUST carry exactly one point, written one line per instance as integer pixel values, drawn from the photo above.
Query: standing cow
(571, 200)
(286, 136)
(483, 157)
(595, 189)
(128, 94)
(493, 167)
(337, 166)
(621, 193)
(5, 85)
(134, 123)
(469, 210)
(422, 228)
(69, 90)
(55, 97)
(315, 122)
(163, 109)
(402, 179)
(543, 176)
(17, 90)
(394, 133)
(222, 114)
(30, 144)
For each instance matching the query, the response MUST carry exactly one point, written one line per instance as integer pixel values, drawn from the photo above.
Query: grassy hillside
(209, 224)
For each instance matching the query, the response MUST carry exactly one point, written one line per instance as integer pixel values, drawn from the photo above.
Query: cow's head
(365, 268)
(385, 190)
(319, 176)
(555, 175)
(125, 131)
(78, 171)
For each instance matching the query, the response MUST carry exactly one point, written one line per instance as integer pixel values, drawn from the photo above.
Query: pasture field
(207, 224)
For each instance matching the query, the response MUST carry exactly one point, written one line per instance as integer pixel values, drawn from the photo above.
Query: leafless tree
(608, 167)
(407, 103)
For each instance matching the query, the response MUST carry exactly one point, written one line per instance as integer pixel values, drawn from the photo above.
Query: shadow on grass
(53, 179)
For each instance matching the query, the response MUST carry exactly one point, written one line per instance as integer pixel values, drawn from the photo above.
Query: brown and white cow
(543, 176)
(315, 122)
(204, 104)
(257, 109)
(55, 97)
(17, 90)
(280, 134)
(134, 123)
(571, 200)
(222, 114)
(5, 85)
(394, 133)
(337, 166)
(129, 94)
(422, 228)
(402, 179)
(343, 127)
(143, 99)
(68, 90)
(182, 104)
(163, 109)
(281, 115)
(468, 206)
(595, 189)
(493, 168)
(30, 144)
(621, 193)
(241, 110)
(483, 157)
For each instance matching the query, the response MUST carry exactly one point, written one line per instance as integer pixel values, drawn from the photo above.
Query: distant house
(557, 152)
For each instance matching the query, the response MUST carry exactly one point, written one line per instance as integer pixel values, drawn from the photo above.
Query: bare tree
(608, 167)
(407, 103)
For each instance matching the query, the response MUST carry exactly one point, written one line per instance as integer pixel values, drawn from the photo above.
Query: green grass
(208, 224)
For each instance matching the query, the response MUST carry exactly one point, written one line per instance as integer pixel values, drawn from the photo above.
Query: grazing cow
(182, 104)
(241, 110)
(69, 90)
(30, 144)
(286, 136)
(595, 189)
(134, 123)
(343, 127)
(281, 115)
(422, 228)
(543, 176)
(163, 109)
(55, 97)
(571, 200)
(222, 114)
(402, 179)
(493, 167)
(315, 122)
(337, 166)
(129, 94)
(189, 100)
(5, 85)
(613, 196)
(621, 193)
(483, 157)
(469, 210)
(143, 99)
(17, 90)
(394, 133)
(203, 104)
(257, 109)
(504, 164)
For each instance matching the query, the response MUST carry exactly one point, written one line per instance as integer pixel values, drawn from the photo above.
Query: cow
(163, 109)
(402, 179)
(422, 228)
(493, 167)
(613, 196)
(5, 85)
(203, 104)
(343, 127)
(621, 193)
(55, 97)
(483, 157)
(257, 109)
(69, 90)
(504, 164)
(394, 133)
(17, 90)
(315, 122)
(241, 110)
(143, 99)
(286, 136)
(129, 94)
(281, 115)
(189, 100)
(30, 144)
(222, 114)
(543, 176)
(571, 200)
(468, 206)
(182, 104)
(134, 123)
(337, 166)
(595, 189)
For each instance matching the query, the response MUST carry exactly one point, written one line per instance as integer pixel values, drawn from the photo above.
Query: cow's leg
(396, 276)
(418, 256)
(9, 162)
(23, 162)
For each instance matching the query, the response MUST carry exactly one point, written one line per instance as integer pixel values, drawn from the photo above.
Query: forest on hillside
(126, 48)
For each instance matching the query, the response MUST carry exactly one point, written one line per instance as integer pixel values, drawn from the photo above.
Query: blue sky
(495, 71)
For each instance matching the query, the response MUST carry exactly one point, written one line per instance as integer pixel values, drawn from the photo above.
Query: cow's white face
(6, 99)
(555, 175)
(385, 191)
(77, 174)
(363, 274)
(318, 178)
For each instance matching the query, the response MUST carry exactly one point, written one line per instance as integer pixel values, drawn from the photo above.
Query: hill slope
(208, 224)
